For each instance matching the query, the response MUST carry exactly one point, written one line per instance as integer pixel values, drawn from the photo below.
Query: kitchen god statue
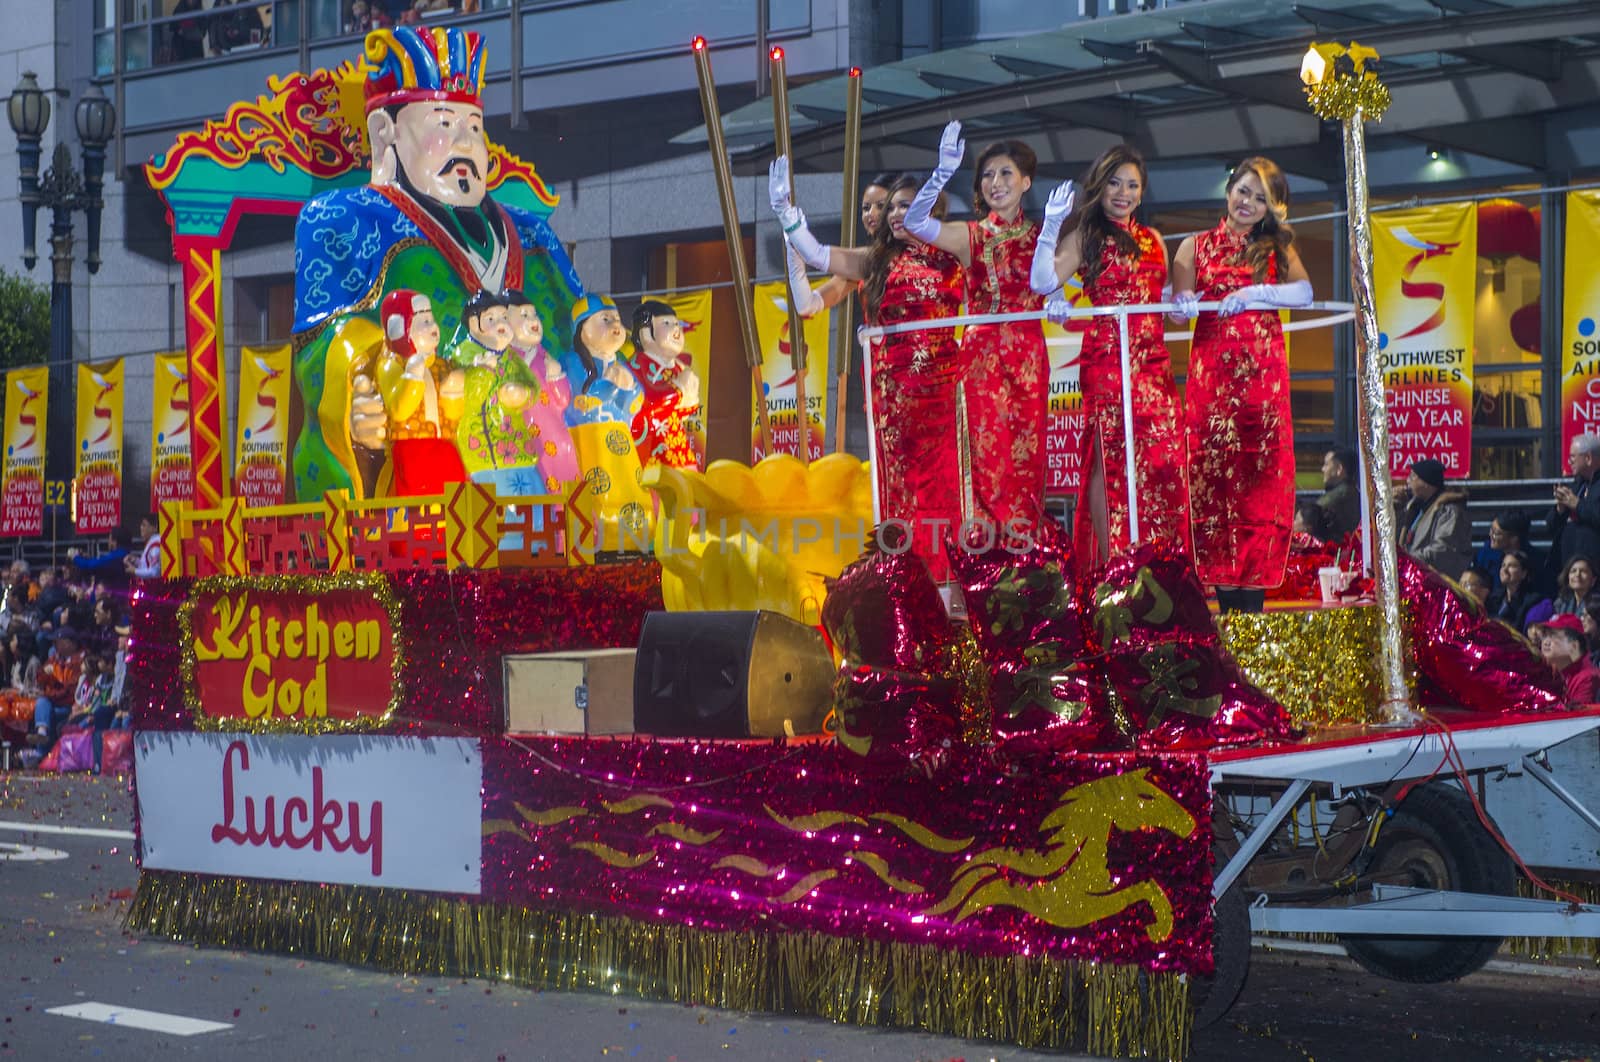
(424, 223)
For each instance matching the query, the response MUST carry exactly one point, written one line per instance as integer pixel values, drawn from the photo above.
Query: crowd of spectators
(1553, 599)
(64, 641)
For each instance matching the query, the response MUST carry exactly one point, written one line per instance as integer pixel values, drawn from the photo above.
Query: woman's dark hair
(885, 180)
(1315, 518)
(1091, 223)
(513, 298)
(1521, 558)
(1563, 585)
(1015, 150)
(884, 246)
(1272, 235)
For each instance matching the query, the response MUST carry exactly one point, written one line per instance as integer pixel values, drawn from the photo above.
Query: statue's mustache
(459, 160)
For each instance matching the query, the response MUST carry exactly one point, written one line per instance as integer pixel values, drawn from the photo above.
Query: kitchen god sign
(291, 654)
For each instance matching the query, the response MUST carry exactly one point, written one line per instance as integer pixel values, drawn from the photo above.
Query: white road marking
(70, 831)
(151, 1020)
(1506, 966)
(27, 853)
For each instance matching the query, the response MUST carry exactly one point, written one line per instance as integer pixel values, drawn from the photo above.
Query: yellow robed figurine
(605, 397)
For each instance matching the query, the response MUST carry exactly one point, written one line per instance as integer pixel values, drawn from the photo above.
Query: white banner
(344, 809)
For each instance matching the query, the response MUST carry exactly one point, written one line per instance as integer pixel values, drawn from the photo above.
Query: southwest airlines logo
(1421, 289)
(98, 411)
(264, 400)
(178, 404)
(25, 420)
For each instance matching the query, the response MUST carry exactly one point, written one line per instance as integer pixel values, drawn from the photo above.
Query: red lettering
(324, 817)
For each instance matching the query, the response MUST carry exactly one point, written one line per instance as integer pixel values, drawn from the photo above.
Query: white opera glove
(1284, 296)
(1058, 310)
(920, 221)
(792, 218)
(1042, 277)
(807, 303)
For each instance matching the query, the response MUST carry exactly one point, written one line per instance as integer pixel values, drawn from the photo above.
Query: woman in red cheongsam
(914, 374)
(1121, 262)
(1008, 370)
(1240, 429)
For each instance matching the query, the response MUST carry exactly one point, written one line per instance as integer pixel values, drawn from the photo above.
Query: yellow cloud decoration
(740, 538)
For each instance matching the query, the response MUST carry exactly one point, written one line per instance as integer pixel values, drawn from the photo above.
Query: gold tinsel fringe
(1115, 1011)
(1556, 947)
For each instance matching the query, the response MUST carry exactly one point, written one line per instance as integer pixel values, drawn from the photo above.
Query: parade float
(1037, 822)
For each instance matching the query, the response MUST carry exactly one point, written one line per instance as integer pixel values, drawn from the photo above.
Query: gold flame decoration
(1338, 90)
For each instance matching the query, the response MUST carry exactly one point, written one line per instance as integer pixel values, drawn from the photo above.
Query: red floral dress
(662, 431)
(1008, 373)
(1241, 431)
(1159, 458)
(914, 380)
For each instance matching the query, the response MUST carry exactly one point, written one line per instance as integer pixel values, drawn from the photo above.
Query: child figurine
(605, 398)
(546, 411)
(603, 387)
(421, 396)
(663, 429)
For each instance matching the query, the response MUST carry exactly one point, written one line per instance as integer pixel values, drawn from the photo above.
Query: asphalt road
(62, 945)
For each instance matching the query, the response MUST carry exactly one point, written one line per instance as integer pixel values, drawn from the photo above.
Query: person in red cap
(1566, 650)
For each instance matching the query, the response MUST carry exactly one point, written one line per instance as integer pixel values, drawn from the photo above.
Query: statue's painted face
(443, 151)
(603, 333)
(492, 328)
(529, 329)
(424, 333)
(663, 341)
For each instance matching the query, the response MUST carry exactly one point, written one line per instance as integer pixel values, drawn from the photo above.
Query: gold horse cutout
(1069, 884)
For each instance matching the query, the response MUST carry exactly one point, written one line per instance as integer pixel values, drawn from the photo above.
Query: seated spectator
(1310, 518)
(1341, 497)
(1576, 585)
(101, 634)
(1434, 526)
(1517, 595)
(1475, 581)
(24, 658)
(58, 682)
(92, 692)
(50, 606)
(1508, 531)
(1564, 649)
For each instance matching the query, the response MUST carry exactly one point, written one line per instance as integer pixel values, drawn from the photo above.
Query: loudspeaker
(730, 675)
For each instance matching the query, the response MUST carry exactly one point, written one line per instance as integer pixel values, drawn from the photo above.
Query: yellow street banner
(1064, 426)
(1425, 269)
(99, 447)
(1580, 316)
(22, 489)
(171, 460)
(778, 376)
(694, 310)
(262, 474)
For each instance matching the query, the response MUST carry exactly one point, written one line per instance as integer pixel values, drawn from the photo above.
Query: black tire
(1212, 997)
(1433, 841)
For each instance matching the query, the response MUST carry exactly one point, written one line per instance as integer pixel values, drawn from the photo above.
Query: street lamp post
(65, 191)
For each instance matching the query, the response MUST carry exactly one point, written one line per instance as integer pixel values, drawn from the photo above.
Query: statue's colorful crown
(408, 64)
